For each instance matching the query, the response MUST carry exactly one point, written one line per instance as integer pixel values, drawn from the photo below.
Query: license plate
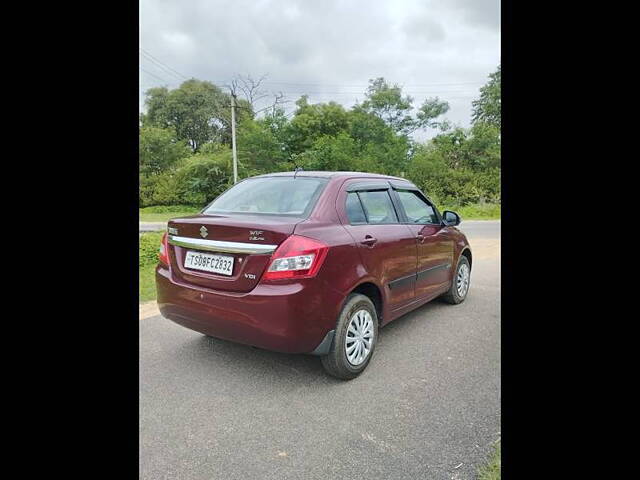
(208, 262)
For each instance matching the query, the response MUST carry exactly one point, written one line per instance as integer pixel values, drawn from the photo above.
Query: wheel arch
(374, 293)
(466, 252)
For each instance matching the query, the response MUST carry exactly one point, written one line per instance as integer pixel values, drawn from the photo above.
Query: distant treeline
(185, 141)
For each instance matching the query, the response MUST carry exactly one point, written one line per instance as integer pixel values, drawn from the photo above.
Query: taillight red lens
(163, 255)
(296, 257)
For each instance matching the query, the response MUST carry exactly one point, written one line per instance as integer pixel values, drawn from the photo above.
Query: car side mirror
(451, 219)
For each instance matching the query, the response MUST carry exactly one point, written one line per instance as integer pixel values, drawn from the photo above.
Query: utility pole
(233, 137)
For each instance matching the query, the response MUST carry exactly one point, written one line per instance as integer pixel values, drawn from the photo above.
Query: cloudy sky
(328, 49)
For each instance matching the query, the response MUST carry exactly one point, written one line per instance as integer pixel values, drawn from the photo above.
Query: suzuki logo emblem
(203, 231)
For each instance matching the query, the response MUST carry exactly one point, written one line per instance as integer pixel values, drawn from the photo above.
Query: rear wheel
(355, 339)
(461, 281)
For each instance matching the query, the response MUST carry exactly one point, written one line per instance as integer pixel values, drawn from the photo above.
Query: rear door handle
(420, 238)
(369, 241)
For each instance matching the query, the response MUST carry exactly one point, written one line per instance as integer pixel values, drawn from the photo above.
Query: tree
(486, 109)
(450, 146)
(482, 147)
(311, 122)
(383, 149)
(332, 153)
(198, 111)
(431, 109)
(262, 143)
(387, 103)
(159, 150)
(366, 127)
(253, 92)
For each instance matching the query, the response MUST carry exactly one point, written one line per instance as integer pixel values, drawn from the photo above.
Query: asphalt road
(427, 407)
(152, 226)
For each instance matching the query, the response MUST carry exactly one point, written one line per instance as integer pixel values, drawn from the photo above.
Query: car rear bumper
(289, 317)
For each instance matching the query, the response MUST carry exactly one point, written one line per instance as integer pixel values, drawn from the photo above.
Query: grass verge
(487, 211)
(147, 278)
(491, 470)
(163, 213)
(149, 246)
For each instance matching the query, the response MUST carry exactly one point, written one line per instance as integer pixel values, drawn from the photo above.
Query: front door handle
(369, 241)
(420, 238)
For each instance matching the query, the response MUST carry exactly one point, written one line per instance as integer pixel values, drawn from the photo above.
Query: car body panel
(290, 317)
(435, 258)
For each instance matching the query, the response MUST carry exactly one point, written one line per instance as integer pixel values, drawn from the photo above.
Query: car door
(386, 246)
(433, 239)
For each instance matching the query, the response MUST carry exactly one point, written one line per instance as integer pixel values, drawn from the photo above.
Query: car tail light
(296, 257)
(163, 255)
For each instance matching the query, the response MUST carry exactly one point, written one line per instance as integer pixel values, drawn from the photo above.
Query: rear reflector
(296, 257)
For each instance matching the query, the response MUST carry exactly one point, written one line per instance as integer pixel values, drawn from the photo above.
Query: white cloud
(439, 47)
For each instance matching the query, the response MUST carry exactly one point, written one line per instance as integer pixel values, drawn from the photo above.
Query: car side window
(418, 211)
(378, 207)
(355, 213)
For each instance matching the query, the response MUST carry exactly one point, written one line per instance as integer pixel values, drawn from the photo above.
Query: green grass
(491, 470)
(487, 211)
(147, 290)
(149, 246)
(163, 213)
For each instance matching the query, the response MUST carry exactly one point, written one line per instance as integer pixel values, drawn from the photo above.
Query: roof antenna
(298, 169)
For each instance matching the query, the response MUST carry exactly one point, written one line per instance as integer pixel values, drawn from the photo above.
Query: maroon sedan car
(311, 262)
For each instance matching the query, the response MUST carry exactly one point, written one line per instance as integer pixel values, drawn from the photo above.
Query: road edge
(147, 310)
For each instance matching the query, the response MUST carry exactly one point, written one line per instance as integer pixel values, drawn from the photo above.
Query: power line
(307, 92)
(367, 85)
(174, 72)
(162, 64)
(155, 60)
(154, 75)
(164, 70)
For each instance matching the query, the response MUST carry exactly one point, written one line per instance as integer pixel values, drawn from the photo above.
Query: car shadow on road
(224, 358)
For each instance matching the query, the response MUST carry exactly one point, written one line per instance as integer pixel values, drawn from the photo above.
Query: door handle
(369, 241)
(420, 238)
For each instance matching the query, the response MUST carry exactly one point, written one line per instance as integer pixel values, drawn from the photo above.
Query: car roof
(324, 174)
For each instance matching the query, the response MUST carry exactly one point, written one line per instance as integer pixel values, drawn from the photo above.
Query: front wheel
(355, 339)
(460, 284)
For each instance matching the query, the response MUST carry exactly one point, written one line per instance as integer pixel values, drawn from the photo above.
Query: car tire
(341, 361)
(456, 294)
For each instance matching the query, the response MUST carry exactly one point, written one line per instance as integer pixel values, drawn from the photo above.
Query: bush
(147, 186)
(197, 181)
(171, 208)
(159, 189)
(159, 150)
(166, 190)
(149, 248)
(202, 179)
(452, 186)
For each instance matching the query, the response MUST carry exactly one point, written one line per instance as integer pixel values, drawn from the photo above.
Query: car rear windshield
(270, 196)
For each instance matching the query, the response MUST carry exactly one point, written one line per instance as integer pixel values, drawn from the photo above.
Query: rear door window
(355, 213)
(378, 207)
